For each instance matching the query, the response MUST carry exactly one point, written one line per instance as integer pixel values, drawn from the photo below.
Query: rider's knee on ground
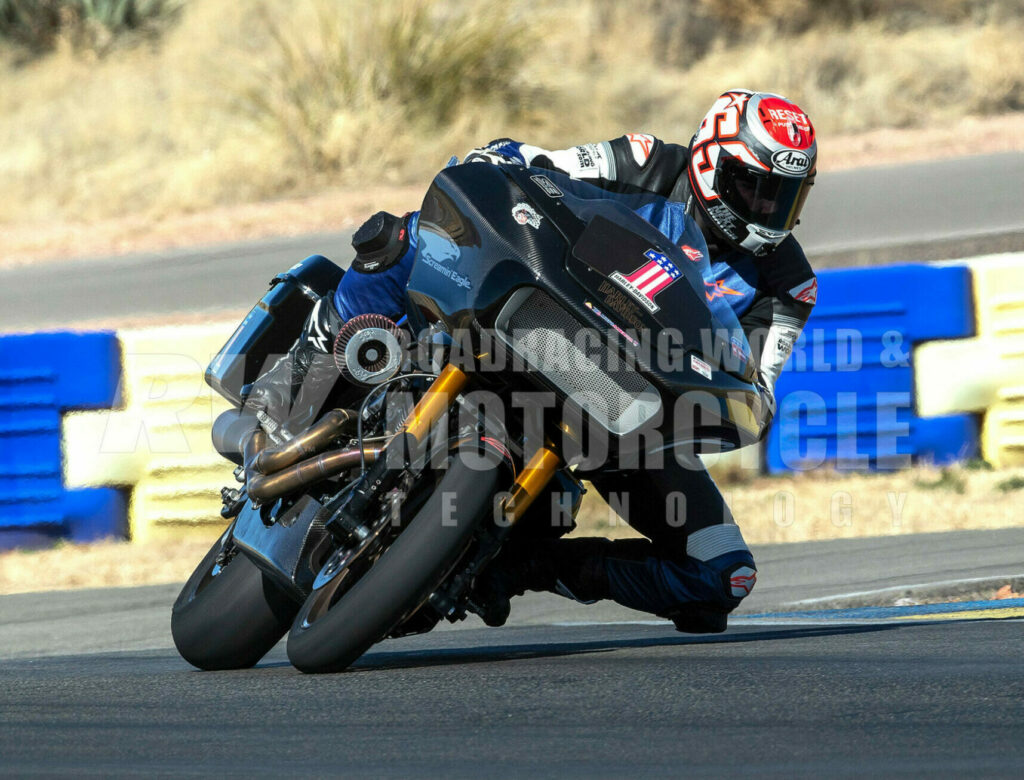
(731, 578)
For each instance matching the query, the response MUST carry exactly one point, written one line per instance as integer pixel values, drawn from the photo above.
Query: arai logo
(791, 161)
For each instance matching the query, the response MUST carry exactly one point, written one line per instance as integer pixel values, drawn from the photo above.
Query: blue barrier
(846, 395)
(41, 377)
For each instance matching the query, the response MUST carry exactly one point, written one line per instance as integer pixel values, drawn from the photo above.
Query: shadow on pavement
(407, 659)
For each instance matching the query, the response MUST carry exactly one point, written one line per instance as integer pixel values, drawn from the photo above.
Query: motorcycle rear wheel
(229, 616)
(329, 635)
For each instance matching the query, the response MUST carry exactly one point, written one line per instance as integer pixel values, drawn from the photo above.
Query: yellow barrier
(965, 375)
(159, 442)
(985, 373)
(1002, 434)
(999, 301)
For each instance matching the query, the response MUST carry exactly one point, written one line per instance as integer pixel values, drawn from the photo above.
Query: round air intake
(368, 349)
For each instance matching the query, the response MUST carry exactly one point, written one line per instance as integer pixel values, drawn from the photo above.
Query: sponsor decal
(725, 219)
(649, 279)
(525, 214)
(607, 319)
(437, 247)
(691, 252)
(622, 304)
(700, 366)
(791, 161)
(742, 581)
(640, 144)
(435, 251)
(806, 292)
(786, 123)
(549, 187)
(717, 289)
(765, 233)
(318, 337)
(585, 156)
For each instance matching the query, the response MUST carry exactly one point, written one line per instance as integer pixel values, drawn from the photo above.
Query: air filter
(368, 349)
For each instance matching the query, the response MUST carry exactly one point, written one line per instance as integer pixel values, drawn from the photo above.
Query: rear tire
(400, 580)
(231, 618)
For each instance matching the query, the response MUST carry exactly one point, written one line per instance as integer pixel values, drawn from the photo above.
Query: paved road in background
(91, 684)
(921, 211)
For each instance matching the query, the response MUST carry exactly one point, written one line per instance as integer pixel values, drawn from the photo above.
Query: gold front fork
(435, 402)
(534, 477)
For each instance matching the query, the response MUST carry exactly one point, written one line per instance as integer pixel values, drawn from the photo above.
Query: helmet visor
(773, 202)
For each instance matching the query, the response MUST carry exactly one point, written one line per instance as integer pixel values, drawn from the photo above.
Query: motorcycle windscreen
(666, 280)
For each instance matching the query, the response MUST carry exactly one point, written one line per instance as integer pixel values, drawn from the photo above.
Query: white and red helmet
(752, 163)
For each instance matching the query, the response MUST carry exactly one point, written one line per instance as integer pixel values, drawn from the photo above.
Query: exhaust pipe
(271, 473)
(305, 445)
(263, 488)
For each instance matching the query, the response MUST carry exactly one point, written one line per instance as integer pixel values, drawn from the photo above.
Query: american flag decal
(649, 279)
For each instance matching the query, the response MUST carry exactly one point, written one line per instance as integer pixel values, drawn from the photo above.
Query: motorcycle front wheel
(229, 614)
(337, 624)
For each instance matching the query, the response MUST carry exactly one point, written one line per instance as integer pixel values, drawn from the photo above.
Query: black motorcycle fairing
(269, 330)
(488, 231)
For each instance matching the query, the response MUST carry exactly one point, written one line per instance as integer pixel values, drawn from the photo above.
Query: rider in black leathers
(743, 178)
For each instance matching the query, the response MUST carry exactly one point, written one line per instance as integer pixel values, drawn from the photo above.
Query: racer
(743, 180)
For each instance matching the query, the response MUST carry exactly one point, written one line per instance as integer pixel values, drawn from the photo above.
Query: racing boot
(573, 568)
(291, 393)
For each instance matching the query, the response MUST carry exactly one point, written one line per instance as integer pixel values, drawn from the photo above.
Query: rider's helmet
(752, 163)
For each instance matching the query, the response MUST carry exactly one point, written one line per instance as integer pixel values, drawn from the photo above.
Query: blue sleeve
(382, 292)
(508, 148)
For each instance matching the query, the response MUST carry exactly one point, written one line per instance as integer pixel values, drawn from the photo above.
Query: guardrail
(108, 434)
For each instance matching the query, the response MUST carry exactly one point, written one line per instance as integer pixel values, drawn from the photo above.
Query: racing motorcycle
(545, 323)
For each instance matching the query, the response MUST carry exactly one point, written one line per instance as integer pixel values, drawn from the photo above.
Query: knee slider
(722, 549)
(741, 578)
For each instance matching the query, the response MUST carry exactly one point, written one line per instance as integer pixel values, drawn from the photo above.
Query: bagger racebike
(551, 333)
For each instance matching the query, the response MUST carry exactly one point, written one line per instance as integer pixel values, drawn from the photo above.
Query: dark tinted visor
(771, 201)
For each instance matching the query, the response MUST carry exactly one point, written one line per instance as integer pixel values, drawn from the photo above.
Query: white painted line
(901, 588)
(733, 621)
(575, 623)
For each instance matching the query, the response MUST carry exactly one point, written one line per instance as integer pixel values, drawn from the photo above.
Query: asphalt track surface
(922, 211)
(563, 690)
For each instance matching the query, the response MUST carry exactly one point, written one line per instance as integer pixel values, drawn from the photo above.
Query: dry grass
(781, 509)
(100, 565)
(242, 102)
(829, 505)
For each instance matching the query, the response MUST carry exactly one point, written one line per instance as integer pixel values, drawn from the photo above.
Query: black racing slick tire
(229, 617)
(329, 638)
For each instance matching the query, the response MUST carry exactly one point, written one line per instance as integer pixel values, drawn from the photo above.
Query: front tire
(230, 616)
(329, 637)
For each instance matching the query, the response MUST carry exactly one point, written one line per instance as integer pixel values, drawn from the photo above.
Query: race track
(587, 701)
(90, 683)
(564, 690)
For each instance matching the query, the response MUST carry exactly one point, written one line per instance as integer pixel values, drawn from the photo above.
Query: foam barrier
(158, 443)
(846, 396)
(42, 376)
(999, 293)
